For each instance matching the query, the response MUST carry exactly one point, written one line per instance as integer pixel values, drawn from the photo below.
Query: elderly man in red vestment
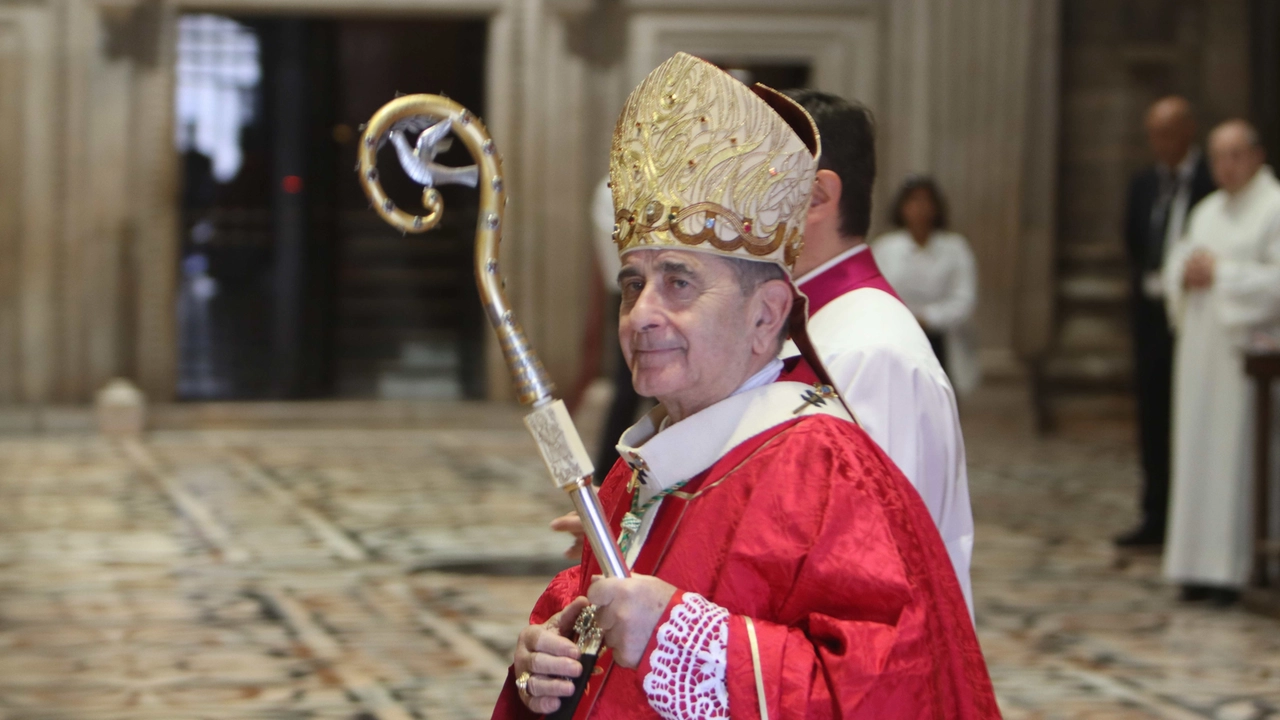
(782, 567)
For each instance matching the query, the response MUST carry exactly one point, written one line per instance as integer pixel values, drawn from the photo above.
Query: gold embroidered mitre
(702, 162)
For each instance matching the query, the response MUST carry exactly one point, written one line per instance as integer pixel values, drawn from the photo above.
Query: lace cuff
(686, 677)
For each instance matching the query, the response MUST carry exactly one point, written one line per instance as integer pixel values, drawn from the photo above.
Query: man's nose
(646, 312)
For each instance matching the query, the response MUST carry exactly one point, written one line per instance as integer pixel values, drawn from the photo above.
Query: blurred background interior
(151, 147)
(178, 208)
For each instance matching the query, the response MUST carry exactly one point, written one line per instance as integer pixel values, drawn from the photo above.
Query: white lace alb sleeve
(687, 679)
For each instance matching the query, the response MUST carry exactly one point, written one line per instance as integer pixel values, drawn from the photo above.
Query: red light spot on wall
(292, 184)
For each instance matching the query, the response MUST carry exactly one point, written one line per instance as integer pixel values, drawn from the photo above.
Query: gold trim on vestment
(755, 665)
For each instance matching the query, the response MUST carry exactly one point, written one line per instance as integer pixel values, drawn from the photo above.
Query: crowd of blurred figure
(1202, 233)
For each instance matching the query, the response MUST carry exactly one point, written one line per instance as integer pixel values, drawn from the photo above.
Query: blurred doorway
(290, 287)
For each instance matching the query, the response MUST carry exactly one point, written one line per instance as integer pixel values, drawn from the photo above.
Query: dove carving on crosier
(418, 161)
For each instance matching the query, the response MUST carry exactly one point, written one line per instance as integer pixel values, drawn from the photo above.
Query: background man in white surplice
(1222, 282)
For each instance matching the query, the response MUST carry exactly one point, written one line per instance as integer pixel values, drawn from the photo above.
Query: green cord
(632, 520)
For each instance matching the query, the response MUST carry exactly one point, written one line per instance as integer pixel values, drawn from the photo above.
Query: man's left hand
(629, 613)
(1200, 270)
(571, 524)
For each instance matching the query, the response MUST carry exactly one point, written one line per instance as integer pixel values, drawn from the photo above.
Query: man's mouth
(653, 355)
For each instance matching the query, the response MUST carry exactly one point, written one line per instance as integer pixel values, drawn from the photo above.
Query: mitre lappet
(702, 162)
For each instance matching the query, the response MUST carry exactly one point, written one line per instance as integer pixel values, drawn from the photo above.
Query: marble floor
(358, 562)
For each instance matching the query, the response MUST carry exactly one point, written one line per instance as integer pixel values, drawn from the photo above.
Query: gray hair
(751, 274)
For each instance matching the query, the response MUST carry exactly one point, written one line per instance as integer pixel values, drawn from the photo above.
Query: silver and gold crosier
(432, 118)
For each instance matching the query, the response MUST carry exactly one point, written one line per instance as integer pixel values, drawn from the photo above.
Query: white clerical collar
(687, 448)
(831, 263)
(766, 375)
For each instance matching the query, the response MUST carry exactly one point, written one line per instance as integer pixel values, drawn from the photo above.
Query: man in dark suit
(1160, 197)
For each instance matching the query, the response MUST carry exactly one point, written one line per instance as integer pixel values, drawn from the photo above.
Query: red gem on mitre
(746, 225)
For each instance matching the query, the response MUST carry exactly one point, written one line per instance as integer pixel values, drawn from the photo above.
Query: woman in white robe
(933, 271)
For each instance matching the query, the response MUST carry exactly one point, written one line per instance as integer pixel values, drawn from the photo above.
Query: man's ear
(773, 307)
(824, 204)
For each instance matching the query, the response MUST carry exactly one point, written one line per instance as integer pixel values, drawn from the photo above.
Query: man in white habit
(1222, 282)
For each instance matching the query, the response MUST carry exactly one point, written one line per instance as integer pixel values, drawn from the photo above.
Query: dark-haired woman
(933, 271)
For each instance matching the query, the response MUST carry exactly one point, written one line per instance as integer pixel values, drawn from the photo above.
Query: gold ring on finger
(522, 683)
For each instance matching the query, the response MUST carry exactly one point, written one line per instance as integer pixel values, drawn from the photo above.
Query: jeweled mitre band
(701, 161)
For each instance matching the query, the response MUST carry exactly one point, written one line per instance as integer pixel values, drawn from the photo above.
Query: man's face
(1233, 158)
(1169, 141)
(684, 326)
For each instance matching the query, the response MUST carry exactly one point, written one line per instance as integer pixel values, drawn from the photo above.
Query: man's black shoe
(1196, 593)
(1224, 597)
(1142, 536)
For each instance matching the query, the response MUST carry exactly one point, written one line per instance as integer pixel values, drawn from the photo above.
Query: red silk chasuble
(857, 271)
(809, 530)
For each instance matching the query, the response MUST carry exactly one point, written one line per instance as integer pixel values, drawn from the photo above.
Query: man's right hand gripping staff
(545, 657)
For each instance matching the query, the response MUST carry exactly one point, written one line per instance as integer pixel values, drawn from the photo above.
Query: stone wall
(973, 100)
(964, 89)
(1118, 57)
(87, 238)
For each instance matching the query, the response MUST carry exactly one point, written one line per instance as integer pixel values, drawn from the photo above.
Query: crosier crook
(550, 424)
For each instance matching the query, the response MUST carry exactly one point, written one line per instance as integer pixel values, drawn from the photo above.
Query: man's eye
(679, 283)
